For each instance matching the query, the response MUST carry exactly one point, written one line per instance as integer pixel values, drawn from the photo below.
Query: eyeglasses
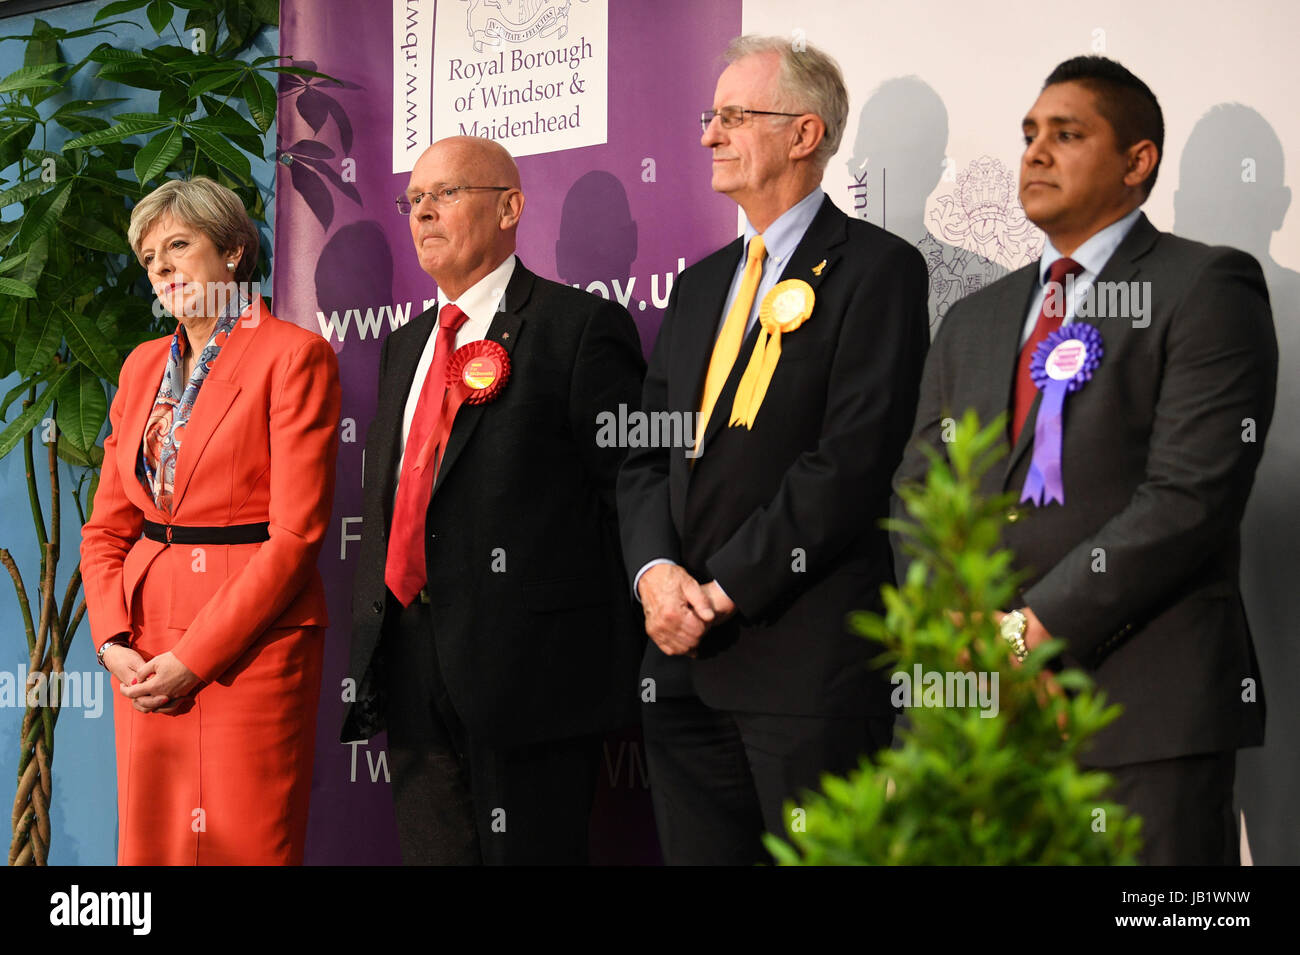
(442, 198)
(733, 116)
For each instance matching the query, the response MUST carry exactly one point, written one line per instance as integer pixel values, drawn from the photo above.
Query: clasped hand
(678, 609)
(158, 685)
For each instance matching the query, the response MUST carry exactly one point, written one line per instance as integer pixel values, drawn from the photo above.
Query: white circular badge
(1066, 359)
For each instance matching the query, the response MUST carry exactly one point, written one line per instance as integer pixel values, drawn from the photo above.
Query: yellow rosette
(784, 309)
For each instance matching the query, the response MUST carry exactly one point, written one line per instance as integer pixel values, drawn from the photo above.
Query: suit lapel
(399, 378)
(825, 233)
(1008, 323)
(215, 398)
(132, 436)
(700, 328)
(504, 330)
(1122, 266)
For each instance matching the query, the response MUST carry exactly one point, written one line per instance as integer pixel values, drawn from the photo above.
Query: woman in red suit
(199, 557)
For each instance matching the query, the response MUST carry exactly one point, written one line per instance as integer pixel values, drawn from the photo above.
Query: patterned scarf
(165, 431)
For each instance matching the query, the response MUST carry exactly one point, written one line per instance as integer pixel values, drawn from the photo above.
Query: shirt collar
(782, 236)
(480, 300)
(1095, 252)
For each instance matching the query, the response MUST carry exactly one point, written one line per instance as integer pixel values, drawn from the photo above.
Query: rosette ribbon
(476, 374)
(1062, 364)
(784, 308)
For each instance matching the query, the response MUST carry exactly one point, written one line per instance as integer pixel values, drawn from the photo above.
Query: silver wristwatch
(110, 642)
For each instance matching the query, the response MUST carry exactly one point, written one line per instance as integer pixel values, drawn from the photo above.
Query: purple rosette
(1062, 364)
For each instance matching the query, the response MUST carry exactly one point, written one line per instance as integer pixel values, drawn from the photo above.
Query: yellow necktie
(727, 347)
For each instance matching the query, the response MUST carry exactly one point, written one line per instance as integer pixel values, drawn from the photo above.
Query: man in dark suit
(492, 631)
(748, 548)
(1137, 568)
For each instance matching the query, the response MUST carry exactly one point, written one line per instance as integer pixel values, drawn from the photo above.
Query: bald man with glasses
(493, 636)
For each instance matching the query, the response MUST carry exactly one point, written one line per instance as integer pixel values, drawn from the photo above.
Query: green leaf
(43, 47)
(213, 81)
(116, 133)
(156, 155)
(21, 110)
(82, 407)
(222, 152)
(268, 11)
(107, 53)
(38, 341)
(30, 418)
(12, 262)
(94, 235)
(16, 288)
(85, 106)
(122, 6)
(88, 344)
(18, 390)
(160, 15)
(74, 455)
(13, 140)
(30, 77)
(38, 253)
(44, 212)
(227, 121)
(22, 192)
(259, 94)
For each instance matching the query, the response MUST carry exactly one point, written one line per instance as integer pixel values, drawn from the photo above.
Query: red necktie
(1053, 303)
(405, 571)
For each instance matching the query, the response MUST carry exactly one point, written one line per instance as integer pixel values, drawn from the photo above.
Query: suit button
(1013, 515)
(377, 607)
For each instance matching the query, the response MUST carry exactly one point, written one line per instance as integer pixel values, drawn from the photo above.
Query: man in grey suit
(1132, 546)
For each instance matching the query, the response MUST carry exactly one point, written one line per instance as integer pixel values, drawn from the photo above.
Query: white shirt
(1092, 255)
(480, 302)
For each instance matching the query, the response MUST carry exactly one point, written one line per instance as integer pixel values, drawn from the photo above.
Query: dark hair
(1122, 99)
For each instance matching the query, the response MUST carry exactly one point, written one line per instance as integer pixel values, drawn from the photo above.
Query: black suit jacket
(534, 626)
(1156, 472)
(785, 515)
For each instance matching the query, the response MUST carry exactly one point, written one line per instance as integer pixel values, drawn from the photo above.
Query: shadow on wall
(598, 238)
(1231, 192)
(356, 264)
(899, 157)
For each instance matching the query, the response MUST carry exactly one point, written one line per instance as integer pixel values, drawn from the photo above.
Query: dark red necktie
(405, 571)
(1050, 317)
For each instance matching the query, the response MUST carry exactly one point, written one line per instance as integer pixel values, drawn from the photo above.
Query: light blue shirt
(1092, 255)
(780, 240)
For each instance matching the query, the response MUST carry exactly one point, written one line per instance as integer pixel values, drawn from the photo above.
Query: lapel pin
(817, 269)
(505, 335)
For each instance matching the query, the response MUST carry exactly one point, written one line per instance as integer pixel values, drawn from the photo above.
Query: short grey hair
(809, 81)
(205, 205)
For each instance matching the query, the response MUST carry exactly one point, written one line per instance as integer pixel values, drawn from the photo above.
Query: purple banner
(619, 217)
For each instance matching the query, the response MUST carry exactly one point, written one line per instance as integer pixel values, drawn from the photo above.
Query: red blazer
(260, 446)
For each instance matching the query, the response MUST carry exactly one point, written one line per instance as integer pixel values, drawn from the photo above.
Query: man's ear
(1142, 158)
(809, 130)
(511, 209)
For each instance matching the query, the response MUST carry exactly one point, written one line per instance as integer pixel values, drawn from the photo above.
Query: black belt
(230, 534)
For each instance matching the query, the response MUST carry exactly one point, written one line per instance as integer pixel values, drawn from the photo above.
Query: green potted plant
(987, 771)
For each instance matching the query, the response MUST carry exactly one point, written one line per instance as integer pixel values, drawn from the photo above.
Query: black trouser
(720, 779)
(460, 803)
(1186, 808)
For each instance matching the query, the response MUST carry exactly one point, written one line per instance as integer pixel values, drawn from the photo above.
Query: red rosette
(477, 372)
